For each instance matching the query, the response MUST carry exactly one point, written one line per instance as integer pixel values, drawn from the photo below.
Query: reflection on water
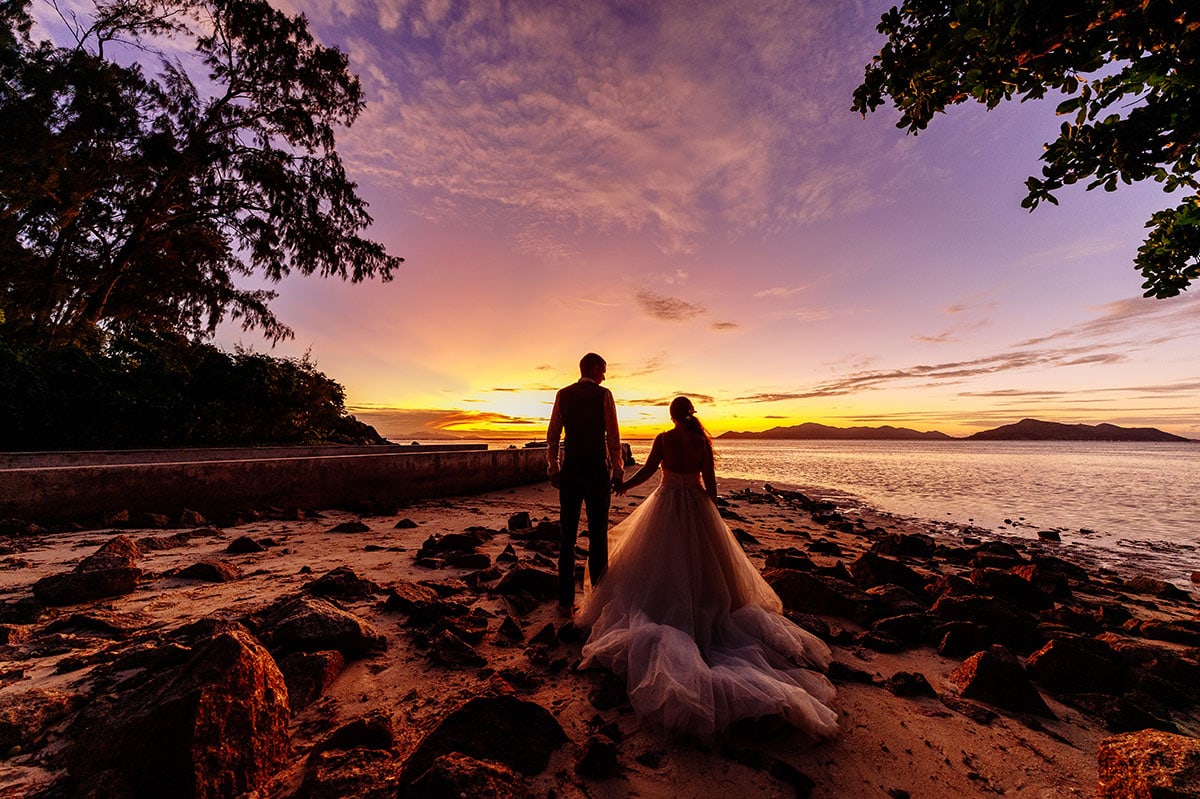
(1135, 498)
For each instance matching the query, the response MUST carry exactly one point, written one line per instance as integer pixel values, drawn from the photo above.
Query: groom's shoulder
(583, 387)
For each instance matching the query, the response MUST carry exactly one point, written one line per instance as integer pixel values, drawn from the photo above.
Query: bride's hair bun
(682, 408)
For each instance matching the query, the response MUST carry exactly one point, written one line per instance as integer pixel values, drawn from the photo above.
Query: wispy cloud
(1120, 329)
(722, 327)
(664, 401)
(969, 305)
(941, 338)
(541, 244)
(940, 373)
(673, 118)
(1166, 318)
(953, 334)
(469, 419)
(413, 422)
(779, 291)
(652, 365)
(1180, 388)
(671, 309)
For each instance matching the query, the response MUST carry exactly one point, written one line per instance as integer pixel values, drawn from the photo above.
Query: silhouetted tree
(165, 390)
(1131, 69)
(137, 184)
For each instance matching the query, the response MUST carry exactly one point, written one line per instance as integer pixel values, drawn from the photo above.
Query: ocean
(1120, 504)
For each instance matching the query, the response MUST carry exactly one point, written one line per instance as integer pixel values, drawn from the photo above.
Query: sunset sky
(682, 187)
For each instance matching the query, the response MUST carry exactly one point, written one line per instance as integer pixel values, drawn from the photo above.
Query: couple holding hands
(678, 609)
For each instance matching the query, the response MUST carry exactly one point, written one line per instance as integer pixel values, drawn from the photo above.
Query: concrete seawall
(213, 487)
(28, 460)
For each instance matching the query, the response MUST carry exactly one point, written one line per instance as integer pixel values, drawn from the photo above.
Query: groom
(591, 466)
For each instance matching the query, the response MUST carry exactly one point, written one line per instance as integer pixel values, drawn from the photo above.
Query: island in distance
(1024, 430)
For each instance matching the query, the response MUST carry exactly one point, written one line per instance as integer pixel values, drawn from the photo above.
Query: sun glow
(716, 226)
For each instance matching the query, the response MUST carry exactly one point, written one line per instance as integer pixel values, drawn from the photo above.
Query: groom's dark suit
(585, 410)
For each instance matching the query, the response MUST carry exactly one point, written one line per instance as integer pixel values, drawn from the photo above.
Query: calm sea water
(1135, 503)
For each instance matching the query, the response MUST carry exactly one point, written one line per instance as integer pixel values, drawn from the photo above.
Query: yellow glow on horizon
(525, 415)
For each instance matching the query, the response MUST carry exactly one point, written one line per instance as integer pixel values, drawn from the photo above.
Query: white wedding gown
(685, 616)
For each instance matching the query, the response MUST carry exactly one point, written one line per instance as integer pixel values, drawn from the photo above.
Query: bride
(685, 616)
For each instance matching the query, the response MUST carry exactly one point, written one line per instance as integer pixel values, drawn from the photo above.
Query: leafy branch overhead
(1130, 73)
(160, 150)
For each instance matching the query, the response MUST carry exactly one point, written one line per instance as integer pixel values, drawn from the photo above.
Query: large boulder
(1004, 622)
(958, 639)
(244, 545)
(1080, 665)
(450, 650)
(212, 727)
(358, 760)
(309, 624)
(1012, 587)
(1155, 587)
(817, 593)
(915, 545)
(996, 554)
(110, 571)
(501, 728)
(1129, 712)
(210, 570)
(538, 583)
(996, 677)
(342, 583)
(893, 600)
(870, 570)
(908, 628)
(405, 595)
(456, 774)
(1178, 632)
(26, 715)
(1149, 764)
(309, 675)
(360, 772)
(1048, 579)
(101, 622)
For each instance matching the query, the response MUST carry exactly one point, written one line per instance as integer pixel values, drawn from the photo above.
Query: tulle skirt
(698, 634)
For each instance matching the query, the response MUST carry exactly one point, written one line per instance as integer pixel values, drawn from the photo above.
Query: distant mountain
(813, 431)
(1036, 430)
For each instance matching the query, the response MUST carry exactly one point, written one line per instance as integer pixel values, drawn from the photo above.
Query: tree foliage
(171, 149)
(1127, 73)
(163, 390)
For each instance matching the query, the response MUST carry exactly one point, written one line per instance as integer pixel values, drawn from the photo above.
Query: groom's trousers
(577, 490)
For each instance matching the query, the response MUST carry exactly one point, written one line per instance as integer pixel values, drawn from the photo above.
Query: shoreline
(1092, 554)
(892, 740)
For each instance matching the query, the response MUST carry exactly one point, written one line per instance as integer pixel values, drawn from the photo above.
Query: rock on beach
(111, 571)
(357, 675)
(214, 726)
(1149, 764)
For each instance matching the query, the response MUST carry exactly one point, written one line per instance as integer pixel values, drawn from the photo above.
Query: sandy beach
(450, 628)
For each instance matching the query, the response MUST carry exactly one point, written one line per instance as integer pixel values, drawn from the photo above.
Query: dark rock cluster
(1023, 622)
(210, 709)
(204, 710)
(1025, 625)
